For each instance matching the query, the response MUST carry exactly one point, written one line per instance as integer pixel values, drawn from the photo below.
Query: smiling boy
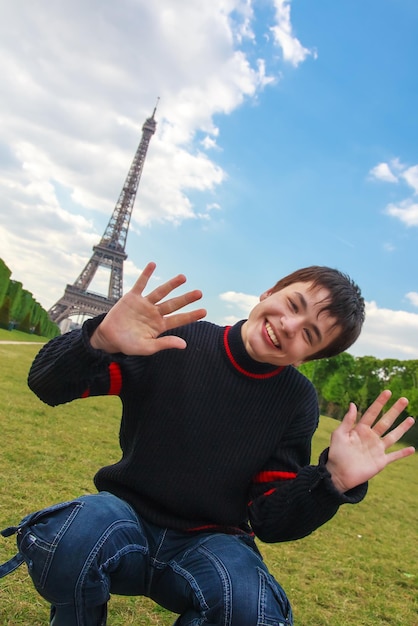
(315, 312)
(216, 437)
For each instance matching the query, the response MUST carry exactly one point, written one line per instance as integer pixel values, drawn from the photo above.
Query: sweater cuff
(88, 329)
(323, 479)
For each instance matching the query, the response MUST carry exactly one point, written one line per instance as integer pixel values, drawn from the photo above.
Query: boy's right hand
(134, 324)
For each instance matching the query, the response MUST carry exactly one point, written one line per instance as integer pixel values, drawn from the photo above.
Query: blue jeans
(80, 552)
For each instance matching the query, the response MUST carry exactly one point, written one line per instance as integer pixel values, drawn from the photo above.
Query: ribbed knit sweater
(211, 440)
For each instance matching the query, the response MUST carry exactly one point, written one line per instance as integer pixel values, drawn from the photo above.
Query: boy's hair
(345, 304)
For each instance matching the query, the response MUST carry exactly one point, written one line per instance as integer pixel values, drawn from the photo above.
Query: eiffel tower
(110, 252)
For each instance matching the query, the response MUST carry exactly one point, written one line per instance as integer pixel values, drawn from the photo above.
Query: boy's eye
(308, 335)
(293, 306)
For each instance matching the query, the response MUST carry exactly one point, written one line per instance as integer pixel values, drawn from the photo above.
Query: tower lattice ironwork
(110, 252)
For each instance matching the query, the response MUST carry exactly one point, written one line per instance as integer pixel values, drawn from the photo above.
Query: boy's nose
(291, 325)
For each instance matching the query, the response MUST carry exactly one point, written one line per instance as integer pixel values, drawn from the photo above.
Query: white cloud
(293, 51)
(240, 302)
(394, 171)
(388, 334)
(411, 177)
(382, 171)
(406, 211)
(209, 143)
(412, 296)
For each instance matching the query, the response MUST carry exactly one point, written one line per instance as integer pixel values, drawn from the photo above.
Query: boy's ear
(265, 295)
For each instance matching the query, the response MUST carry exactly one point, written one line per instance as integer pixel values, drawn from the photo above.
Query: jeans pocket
(39, 535)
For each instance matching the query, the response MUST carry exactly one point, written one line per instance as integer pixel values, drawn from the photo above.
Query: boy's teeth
(271, 334)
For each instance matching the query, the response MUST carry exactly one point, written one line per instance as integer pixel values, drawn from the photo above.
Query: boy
(215, 435)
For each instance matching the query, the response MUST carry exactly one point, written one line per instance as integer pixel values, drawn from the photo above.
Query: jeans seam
(192, 582)
(53, 546)
(225, 580)
(78, 591)
(262, 588)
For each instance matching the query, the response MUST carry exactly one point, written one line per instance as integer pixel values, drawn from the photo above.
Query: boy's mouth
(272, 335)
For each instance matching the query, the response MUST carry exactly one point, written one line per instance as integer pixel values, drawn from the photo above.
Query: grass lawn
(359, 569)
(18, 335)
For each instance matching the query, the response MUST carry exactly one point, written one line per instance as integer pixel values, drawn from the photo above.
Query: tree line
(20, 310)
(344, 378)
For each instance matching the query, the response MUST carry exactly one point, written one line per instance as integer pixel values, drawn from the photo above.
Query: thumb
(163, 343)
(349, 418)
(171, 341)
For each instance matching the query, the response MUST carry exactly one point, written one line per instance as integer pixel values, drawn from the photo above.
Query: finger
(174, 304)
(180, 319)
(163, 290)
(168, 342)
(394, 435)
(374, 409)
(171, 341)
(349, 418)
(399, 454)
(143, 279)
(386, 421)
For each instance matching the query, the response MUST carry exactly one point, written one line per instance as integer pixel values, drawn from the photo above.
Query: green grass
(361, 568)
(18, 335)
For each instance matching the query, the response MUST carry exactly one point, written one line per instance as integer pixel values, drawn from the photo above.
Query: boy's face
(286, 327)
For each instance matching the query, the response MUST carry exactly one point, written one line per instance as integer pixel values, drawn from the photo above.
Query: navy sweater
(211, 440)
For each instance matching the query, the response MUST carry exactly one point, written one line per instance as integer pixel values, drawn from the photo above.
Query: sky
(286, 136)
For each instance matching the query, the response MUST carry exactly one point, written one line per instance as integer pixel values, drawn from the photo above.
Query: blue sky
(286, 136)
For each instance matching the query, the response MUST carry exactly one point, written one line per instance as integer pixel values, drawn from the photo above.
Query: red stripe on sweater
(241, 369)
(115, 379)
(267, 493)
(228, 530)
(268, 477)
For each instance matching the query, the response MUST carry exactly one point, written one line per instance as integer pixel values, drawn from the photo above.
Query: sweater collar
(239, 357)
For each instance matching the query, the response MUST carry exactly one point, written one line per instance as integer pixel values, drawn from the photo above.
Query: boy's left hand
(358, 450)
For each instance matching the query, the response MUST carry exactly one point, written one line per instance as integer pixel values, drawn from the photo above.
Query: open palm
(358, 449)
(134, 324)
